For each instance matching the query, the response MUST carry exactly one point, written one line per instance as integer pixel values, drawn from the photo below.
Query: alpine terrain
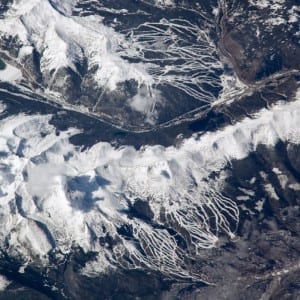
(150, 149)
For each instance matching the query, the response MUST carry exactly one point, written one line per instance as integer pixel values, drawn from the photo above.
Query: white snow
(161, 3)
(262, 4)
(4, 283)
(66, 6)
(216, 11)
(275, 21)
(271, 192)
(31, 238)
(76, 191)
(283, 179)
(2, 107)
(65, 41)
(276, 171)
(10, 73)
(164, 2)
(242, 198)
(247, 192)
(294, 13)
(294, 186)
(80, 194)
(259, 205)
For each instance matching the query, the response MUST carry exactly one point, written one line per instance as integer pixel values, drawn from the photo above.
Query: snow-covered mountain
(149, 145)
(79, 60)
(64, 43)
(83, 196)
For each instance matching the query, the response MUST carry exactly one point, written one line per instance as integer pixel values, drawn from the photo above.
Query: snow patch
(4, 283)
(10, 74)
(275, 21)
(64, 41)
(271, 192)
(242, 198)
(262, 4)
(165, 3)
(2, 107)
(294, 186)
(294, 13)
(172, 53)
(260, 205)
